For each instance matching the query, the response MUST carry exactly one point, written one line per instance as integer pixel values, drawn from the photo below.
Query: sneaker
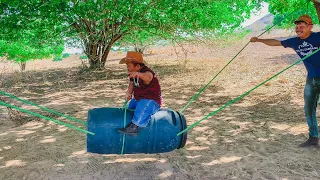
(312, 141)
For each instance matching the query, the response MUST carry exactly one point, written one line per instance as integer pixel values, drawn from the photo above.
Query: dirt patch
(256, 138)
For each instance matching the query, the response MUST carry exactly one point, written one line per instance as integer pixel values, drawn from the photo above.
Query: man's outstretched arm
(269, 42)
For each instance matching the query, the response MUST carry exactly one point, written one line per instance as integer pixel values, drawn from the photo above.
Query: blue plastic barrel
(159, 136)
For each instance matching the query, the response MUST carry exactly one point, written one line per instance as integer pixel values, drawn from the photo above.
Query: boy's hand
(133, 74)
(128, 96)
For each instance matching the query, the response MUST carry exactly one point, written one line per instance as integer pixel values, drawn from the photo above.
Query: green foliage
(83, 57)
(287, 11)
(65, 55)
(100, 23)
(57, 59)
(36, 29)
(231, 38)
(22, 51)
(24, 36)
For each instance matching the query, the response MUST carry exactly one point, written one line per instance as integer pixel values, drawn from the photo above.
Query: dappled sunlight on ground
(193, 157)
(81, 153)
(62, 128)
(200, 128)
(13, 163)
(131, 160)
(165, 174)
(59, 165)
(3, 134)
(197, 148)
(294, 130)
(263, 139)
(281, 127)
(7, 147)
(255, 138)
(48, 139)
(24, 132)
(223, 160)
(299, 129)
(33, 125)
(21, 139)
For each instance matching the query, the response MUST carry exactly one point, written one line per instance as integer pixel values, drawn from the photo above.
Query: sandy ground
(256, 138)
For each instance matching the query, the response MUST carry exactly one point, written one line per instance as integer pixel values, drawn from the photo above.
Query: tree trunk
(105, 55)
(139, 49)
(98, 56)
(23, 66)
(98, 52)
(94, 53)
(316, 4)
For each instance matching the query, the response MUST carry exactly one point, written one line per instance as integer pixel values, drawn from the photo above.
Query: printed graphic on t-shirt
(305, 49)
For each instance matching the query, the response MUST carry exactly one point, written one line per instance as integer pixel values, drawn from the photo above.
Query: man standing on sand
(305, 43)
(145, 88)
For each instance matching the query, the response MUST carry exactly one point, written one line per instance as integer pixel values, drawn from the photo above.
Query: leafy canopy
(287, 11)
(41, 26)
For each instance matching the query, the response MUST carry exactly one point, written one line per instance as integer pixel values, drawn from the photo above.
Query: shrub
(65, 55)
(57, 58)
(84, 57)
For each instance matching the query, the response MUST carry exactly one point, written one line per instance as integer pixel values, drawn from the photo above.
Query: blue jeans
(311, 97)
(143, 109)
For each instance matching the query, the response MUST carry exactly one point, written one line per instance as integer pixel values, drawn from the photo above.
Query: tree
(316, 4)
(140, 40)
(287, 11)
(21, 51)
(101, 23)
(25, 38)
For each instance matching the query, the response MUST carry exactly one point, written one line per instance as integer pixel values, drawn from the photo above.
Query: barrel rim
(184, 135)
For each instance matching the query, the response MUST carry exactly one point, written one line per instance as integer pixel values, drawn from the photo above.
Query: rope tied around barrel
(125, 107)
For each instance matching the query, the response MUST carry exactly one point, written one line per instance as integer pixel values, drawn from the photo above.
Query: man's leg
(132, 104)
(145, 108)
(311, 96)
(131, 128)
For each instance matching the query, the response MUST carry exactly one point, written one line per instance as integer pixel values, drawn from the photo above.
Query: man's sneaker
(131, 129)
(312, 141)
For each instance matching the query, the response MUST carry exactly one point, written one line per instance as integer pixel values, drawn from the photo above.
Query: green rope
(125, 104)
(202, 89)
(43, 108)
(46, 118)
(124, 124)
(245, 94)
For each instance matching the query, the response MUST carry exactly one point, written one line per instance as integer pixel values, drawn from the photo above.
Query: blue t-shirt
(303, 47)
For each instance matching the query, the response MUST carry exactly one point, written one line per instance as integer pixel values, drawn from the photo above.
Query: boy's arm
(269, 42)
(145, 76)
(129, 91)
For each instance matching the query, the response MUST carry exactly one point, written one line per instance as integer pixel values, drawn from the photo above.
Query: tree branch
(316, 4)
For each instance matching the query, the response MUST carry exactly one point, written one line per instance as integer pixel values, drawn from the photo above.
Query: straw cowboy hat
(132, 57)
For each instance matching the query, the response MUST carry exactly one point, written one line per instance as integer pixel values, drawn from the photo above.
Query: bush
(65, 55)
(57, 59)
(84, 57)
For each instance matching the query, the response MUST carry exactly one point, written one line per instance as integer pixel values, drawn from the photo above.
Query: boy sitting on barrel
(145, 89)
